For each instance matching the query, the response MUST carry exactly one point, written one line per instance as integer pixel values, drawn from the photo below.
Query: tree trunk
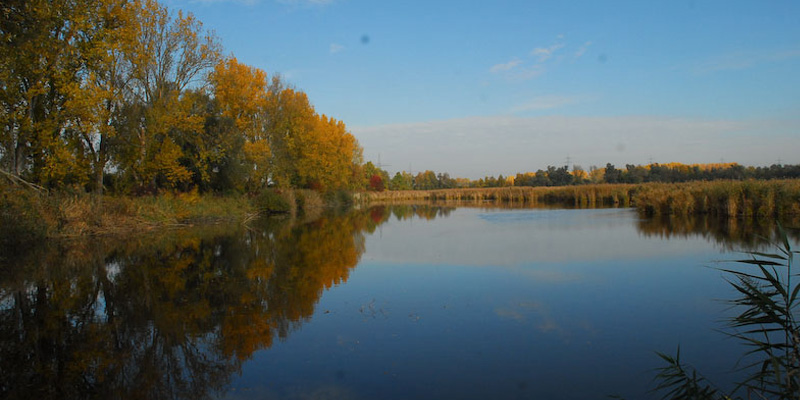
(100, 166)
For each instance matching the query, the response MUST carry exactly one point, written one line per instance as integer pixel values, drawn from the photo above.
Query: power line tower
(381, 165)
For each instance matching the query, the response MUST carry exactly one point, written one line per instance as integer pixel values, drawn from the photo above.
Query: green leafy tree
(401, 181)
(612, 175)
(426, 181)
(370, 172)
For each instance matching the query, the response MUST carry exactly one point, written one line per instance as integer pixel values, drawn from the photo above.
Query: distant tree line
(130, 96)
(563, 176)
(675, 172)
(427, 180)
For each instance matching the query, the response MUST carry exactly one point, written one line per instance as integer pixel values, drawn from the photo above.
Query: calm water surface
(396, 302)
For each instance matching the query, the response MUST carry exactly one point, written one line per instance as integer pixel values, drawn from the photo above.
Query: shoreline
(27, 214)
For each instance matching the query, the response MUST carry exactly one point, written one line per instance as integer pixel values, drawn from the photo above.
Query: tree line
(564, 176)
(133, 97)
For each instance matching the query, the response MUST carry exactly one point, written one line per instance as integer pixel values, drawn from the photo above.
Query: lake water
(398, 302)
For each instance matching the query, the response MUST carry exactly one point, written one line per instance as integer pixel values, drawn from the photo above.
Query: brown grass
(572, 196)
(92, 215)
(750, 198)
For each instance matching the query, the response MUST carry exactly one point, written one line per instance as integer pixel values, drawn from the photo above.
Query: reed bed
(772, 198)
(577, 196)
(574, 196)
(750, 198)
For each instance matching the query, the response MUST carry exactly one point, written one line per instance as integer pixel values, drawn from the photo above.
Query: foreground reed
(767, 324)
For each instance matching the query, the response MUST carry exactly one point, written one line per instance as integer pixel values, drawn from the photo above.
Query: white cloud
(335, 48)
(505, 66)
(479, 146)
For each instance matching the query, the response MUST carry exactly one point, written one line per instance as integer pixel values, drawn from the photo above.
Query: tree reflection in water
(171, 316)
(732, 234)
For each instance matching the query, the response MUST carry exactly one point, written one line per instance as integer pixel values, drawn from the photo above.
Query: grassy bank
(720, 198)
(28, 215)
(32, 214)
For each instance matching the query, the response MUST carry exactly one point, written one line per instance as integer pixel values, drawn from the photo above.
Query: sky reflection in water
(481, 303)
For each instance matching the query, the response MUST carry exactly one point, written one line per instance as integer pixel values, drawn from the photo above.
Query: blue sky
(499, 87)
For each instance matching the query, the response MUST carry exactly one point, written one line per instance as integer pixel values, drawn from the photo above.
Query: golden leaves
(107, 85)
(166, 162)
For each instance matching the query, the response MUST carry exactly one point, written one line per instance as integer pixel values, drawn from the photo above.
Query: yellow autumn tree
(291, 118)
(96, 98)
(42, 45)
(241, 94)
(326, 154)
(308, 149)
(168, 53)
(96, 87)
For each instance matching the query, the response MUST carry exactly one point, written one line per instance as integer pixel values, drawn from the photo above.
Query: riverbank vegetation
(580, 196)
(28, 216)
(750, 198)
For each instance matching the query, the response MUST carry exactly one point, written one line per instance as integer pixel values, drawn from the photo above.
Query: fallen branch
(14, 179)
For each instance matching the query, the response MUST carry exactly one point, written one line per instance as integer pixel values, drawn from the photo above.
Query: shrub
(272, 202)
(308, 200)
(339, 199)
(21, 218)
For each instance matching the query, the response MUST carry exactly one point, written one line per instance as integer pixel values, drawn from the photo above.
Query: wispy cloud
(536, 62)
(505, 66)
(523, 74)
(543, 54)
(744, 60)
(582, 50)
(336, 48)
(547, 103)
